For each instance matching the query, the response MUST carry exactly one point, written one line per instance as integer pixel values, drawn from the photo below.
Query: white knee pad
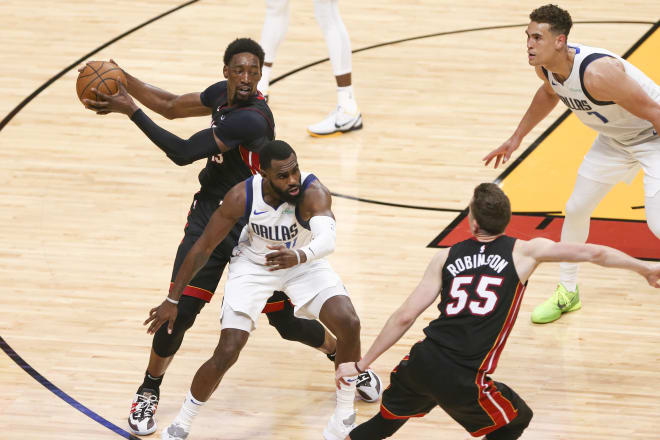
(335, 34)
(276, 24)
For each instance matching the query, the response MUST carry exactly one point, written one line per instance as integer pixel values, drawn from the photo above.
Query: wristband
(358, 368)
(167, 298)
(297, 256)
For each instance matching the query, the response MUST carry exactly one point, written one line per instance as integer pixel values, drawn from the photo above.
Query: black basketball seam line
(102, 81)
(82, 92)
(102, 73)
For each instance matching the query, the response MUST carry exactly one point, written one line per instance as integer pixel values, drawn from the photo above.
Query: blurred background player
(346, 116)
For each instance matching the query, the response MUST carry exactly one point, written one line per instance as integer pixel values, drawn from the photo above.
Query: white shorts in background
(611, 162)
(249, 285)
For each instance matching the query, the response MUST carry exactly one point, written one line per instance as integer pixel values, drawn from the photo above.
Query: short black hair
(278, 150)
(559, 19)
(241, 45)
(491, 208)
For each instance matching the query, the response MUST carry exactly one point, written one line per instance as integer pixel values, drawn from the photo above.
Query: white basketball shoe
(337, 122)
(141, 419)
(339, 429)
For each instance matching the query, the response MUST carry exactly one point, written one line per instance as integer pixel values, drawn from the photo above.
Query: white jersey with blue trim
(605, 117)
(268, 226)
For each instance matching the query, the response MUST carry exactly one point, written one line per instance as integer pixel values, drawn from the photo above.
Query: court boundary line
(50, 386)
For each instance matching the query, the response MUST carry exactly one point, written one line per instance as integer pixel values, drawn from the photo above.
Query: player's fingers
(170, 326)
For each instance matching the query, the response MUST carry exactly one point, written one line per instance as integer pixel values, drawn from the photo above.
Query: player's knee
(167, 344)
(324, 11)
(575, 208)
(350, 325)
(284, 322)
(228, 349)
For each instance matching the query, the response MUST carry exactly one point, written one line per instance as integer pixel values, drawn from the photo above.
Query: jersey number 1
(483, 306)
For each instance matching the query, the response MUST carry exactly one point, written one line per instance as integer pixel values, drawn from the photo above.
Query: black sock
(151, 383)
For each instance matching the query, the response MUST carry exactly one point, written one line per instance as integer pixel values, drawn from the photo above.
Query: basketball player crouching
(290, 228)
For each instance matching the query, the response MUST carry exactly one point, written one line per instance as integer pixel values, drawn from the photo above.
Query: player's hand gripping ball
(101, 75)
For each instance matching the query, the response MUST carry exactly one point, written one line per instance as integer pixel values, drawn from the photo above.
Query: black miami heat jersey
(480, 299)
(245, 128)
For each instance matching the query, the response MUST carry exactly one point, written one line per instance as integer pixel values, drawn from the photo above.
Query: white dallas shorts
(249, 285)
(609, 161)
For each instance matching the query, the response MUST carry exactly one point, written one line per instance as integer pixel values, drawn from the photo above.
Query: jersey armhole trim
(583, 66)
(248, 199)
(308, 180)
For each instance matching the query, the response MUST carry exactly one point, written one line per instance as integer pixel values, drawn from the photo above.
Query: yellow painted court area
(545, 179)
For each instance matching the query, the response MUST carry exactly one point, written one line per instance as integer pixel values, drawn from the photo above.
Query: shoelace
(146, 406)
(362, 378)
(563, 299)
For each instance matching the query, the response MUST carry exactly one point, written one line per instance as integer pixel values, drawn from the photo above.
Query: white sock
(346, 99)
(265, 80)
(189, 410)
(570, 286)
(346, 398)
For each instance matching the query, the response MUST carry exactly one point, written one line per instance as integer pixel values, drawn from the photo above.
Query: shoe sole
(151, 431)
(334, 133)
(577, 306)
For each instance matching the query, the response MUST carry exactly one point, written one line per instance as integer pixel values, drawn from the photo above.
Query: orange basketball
(102, 76)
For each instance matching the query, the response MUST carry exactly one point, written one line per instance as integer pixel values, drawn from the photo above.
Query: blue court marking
(61, 394)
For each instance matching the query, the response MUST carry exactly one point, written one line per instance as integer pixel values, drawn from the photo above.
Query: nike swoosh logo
(255, 212)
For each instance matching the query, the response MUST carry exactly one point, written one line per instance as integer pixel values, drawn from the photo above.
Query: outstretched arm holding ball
(166, 104)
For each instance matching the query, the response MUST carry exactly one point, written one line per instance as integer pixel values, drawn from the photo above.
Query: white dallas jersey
(606, 117)
(268, 226)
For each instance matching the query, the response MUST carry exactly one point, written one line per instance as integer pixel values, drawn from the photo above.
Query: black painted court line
(81, 60)
(61, 394)
(542, 137)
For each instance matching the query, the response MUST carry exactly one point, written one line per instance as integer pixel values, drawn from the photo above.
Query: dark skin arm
(222, 221)
(160, 101)
(317, 201)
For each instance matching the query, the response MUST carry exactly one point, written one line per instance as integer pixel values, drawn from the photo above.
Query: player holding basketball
(346, 117)
(481, 282)
(241, 124)
(290, 229)
(613, 97)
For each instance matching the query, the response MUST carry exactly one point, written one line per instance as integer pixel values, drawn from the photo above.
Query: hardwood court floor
(91, 215)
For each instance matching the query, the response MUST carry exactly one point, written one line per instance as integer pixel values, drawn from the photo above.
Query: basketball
(100, 75)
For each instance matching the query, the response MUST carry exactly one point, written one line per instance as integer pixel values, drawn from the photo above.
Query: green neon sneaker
(562, 301)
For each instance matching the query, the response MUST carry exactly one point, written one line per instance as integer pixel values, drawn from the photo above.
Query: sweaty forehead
(244, 58)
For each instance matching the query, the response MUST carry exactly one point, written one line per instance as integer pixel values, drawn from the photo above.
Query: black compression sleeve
(180, 151)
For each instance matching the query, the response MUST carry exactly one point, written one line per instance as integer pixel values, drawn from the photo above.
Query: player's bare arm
(403, 318)
(316, 207)
(160, 101)
(528, 254)
(542, 104)
(221, 222)
(606, 80)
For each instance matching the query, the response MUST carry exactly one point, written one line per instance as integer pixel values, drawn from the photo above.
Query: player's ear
(225, 71)
(560, 41)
